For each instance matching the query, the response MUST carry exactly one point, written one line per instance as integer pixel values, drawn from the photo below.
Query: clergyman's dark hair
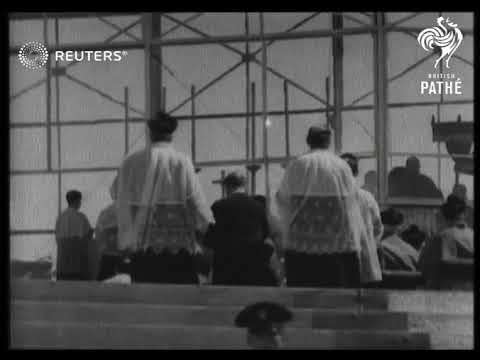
(352, 161)
(73, 196)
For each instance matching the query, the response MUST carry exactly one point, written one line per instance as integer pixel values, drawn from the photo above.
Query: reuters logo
(33, 55)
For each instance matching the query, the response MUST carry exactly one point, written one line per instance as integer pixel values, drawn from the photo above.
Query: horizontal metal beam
(65, 15)
(32, 232)
(237, 114)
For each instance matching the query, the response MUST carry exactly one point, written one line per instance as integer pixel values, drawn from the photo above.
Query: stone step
(41, 290)
(43, 334)
(90, 312)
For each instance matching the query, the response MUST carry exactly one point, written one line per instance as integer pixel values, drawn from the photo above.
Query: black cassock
(241, 256)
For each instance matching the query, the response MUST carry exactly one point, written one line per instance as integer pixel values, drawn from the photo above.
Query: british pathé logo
(441, 39)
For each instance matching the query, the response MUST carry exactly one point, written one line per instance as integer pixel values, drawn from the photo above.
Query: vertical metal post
(57, 118)
(151, 28)
(327, 95)
(193, 144)
(48, 95)
(265, 108)
(382, 134)
(337, 51)
(254, 138)
(164, 99)
(439, 160)
(126, 101)
(247, 93)
(287, 119)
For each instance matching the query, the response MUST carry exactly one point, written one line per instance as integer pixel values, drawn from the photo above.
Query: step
(91, 312)
(42, 290)
(44, 334)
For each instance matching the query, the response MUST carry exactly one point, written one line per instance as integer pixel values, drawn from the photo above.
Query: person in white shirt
(323, 228)
(373, 222)
(73, 235)
(160, 207)
(106, 233)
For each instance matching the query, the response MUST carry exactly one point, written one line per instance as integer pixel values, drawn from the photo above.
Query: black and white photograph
(241, 180)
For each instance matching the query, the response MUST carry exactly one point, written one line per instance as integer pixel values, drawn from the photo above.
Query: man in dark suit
(241, 256)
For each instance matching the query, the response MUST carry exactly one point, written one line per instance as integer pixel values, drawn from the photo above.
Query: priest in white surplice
(323, 229)
(160, 208)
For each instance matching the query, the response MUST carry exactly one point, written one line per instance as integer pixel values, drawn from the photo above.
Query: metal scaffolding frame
(154, 40)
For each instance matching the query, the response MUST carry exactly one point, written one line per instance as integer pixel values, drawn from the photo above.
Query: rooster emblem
(441, 38)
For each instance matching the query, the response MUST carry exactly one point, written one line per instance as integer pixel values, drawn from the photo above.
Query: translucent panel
(173, 30)
(322, 21)
(23, 31)
(220, 24)
(95, 189)
(33, 202)
(137, 136)
(27, 93)
(32, 247)
(225, 96)
(357, 70)
(121, 22)
(411, 129)
(355, 19)
(279, 22)
(306, 62)
(275, 136)
(96, 90)
(463, 19)
(422, 20)
(358, 131)
(28, 149)
(229, 143)
(463, 72)
(92, 146)
(84, 30)
(403, 53)
(192, 65)
(392, 17)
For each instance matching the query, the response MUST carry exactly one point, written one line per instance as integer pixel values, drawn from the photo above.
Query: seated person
(408, 181)
(240, 254)
(395, 254)
(453, 244)
(414, 236)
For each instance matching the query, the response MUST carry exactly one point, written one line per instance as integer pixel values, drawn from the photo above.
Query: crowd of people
(320, 229)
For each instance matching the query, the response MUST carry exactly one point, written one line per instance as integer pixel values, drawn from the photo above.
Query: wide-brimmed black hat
(391, 217)
(261, 316)
(162, 123)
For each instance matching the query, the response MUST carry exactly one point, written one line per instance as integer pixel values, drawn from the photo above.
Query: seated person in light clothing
(73, 235)
(395, 253)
